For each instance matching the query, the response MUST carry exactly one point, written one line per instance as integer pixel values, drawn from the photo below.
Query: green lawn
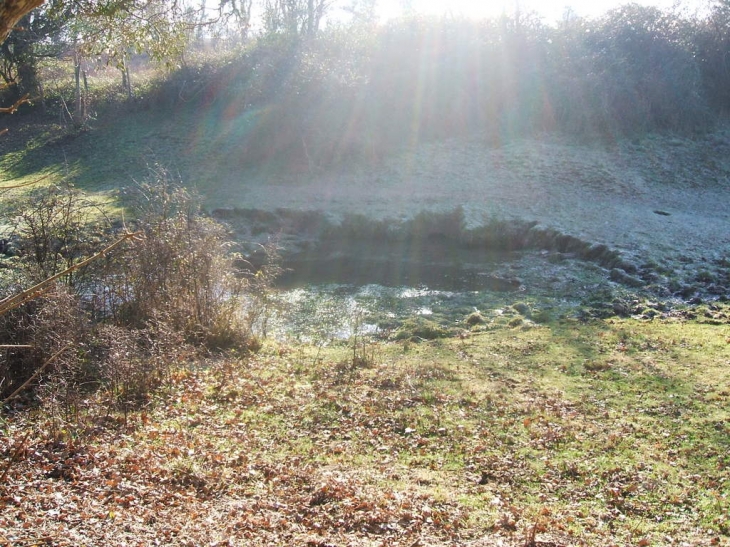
(602, 433)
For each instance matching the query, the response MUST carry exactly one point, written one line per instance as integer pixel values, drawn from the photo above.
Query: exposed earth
(660, 202)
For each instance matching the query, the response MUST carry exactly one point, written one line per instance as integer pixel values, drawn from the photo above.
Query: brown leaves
(270, 452)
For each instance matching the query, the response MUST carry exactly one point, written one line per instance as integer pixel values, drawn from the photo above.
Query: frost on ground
(655, 199)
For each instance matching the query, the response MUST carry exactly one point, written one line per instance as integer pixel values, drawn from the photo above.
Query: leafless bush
(181, 271)
(56, 227)
(133, 362)
(135, 314)
(51, 325)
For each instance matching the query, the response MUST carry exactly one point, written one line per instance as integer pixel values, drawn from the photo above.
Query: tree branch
(26, 296)
(22, 184)
(14, 108)
(11, 11)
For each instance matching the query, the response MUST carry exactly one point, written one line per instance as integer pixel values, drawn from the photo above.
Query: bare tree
(295, 17)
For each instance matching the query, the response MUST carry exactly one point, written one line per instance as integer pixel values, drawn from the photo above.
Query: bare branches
(15, 456)
(37, 373)
(12, 109)
(29, 294)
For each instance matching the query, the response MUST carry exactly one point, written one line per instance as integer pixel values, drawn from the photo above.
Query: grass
(602, 433)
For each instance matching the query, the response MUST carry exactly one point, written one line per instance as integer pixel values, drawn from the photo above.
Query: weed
(474, 319)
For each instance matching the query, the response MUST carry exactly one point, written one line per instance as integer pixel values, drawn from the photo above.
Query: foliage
(22, 50)
(341, 92)
(92, 29)
(318, 102)
(649, 79)
(711, 43)
(114, 29)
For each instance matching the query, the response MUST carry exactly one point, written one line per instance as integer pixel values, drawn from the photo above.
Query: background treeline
(365, 88)
(359, 87)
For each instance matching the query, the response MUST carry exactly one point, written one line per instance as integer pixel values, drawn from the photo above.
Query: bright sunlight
(551, 10)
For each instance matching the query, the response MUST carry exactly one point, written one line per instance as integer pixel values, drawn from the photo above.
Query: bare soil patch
(660, 200)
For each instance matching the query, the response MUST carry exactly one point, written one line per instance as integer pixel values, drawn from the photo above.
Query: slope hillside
(660, 201)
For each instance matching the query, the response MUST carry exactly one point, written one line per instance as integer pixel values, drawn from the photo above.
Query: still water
(335, 297)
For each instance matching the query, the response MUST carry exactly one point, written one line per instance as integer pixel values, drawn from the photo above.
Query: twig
(14, 346)
(14, 457)
(18, 300)
(37, 373)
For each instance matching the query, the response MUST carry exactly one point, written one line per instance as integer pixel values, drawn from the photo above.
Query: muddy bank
(441, 250)
(651, 211)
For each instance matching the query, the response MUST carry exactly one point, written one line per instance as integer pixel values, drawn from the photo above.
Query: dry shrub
(49, 324)
(181, 272)
(56, 227)
(134, 314)
(133, 362)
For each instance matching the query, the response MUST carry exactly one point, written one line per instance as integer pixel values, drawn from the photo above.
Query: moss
(475, 319)
(423, 329)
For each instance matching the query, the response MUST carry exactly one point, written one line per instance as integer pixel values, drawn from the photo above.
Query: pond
(320, 298)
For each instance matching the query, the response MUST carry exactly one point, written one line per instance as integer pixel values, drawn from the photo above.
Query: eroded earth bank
(634, 227)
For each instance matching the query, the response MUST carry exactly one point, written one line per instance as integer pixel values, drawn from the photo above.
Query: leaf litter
(504, 439)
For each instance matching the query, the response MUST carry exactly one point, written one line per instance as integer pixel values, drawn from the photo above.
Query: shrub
(50, 324)
(54, 228)
(133, 314)
(181, 270)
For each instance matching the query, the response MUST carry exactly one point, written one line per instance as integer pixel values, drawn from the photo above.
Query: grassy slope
(602, 192)
(121, 144)
(607, 433)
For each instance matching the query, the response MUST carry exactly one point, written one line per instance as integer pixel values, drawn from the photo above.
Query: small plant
(363, 349)
(474, 319)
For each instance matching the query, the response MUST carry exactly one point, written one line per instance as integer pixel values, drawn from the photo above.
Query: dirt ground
(661, 199)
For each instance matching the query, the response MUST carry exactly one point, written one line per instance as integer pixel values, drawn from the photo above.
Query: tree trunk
(77, 77)
(310, 18)
(126, 79)
(80, 99)
(11, 12)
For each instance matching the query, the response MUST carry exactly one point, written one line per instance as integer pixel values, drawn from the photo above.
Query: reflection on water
(334, 297)
(319, 313)
(459, 273)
